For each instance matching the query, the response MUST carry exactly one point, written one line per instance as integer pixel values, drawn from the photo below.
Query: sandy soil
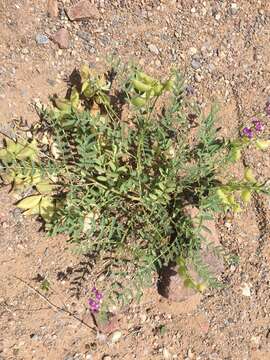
(222, 48)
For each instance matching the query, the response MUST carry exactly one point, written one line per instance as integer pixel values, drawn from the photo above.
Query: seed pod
(231, 199)
(248, 175)
(140, 86)
(169, 85)
(138, 101)
(235, 154)
(262, 144)
(158, 89)
(145, 78)
(223, 196)
(246, 195)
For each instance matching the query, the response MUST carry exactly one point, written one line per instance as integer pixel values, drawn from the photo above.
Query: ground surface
(223, 50)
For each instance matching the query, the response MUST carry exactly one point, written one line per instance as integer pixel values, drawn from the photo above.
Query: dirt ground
(222, 48)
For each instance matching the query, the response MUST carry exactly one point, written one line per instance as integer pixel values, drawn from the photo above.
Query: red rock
(52, 8)
(82, 10)
(62, 38)
(171, 284)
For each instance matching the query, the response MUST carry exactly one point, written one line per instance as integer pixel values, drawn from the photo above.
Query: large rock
(62, 38)
(171, 284)
(82, 10)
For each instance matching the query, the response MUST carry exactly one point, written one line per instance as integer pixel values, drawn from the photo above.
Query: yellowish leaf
(29, 202)
(84, 72)
(5, 155)
(85, 85)
(74, 98)
(32, 211)
(47, 208)
(63, 104)
(45, 187)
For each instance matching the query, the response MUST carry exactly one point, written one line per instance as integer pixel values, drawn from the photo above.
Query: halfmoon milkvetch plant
(113, 165)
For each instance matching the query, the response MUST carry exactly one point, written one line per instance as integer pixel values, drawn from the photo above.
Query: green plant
(117, 182)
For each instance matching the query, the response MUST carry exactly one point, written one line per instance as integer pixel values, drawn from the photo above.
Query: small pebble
(246, 290)
(42, 39)
(153, 49)
(198, 78)
(25, 51)
(101, 337)
(68, 357)
(192, 51)
(195, 64)
(234, 8)
(166, 354)
(116, 336)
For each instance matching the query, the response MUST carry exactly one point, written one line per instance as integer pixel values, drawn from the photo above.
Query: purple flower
(257, 124)
(267, 108)
(247, 132)
(95, 304)
(99, 296)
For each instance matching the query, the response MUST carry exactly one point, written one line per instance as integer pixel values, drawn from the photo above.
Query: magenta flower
(247, 132)
(99, 296)
(95, 304)
(267, 108)
(257, 124)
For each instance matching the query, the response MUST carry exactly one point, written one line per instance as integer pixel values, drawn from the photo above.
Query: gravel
(42, 39)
